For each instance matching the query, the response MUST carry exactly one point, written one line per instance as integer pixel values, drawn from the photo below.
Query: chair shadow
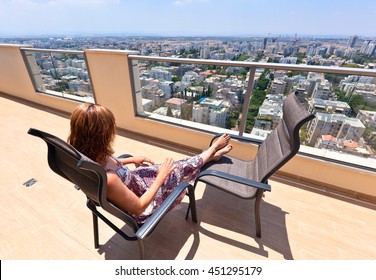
(177, 238)
(234, 214)
(164, 243)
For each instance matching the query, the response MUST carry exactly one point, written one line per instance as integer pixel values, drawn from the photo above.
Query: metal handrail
(278, 66)
(51, 50)
(252, 70)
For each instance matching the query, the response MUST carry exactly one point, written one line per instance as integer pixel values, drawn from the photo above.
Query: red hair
(92, 131)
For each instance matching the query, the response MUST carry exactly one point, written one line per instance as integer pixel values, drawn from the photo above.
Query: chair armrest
(125, 156)
(154, 219)
(240, 138)
(234, 178)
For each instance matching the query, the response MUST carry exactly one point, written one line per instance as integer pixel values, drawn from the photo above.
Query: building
(329, 106)
(210, 111)
(352, 41)
(327, 142)
(368, 118)
(323, 90)
(288, 60)
(175, 103)
(368, 47)
(153, 92)
(161, 73)
(190, 77)
(313, 78)
(278, 87)
(270, 111)
(337, 125)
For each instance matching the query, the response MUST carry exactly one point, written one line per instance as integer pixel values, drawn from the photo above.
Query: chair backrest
(85, 173)
(284, 141)
(72, 165)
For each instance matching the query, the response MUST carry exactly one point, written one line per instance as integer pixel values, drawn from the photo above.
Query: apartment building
(337, 125)
(368, 118)
(329, 106)
(270, 112)
(323, 90)
(277, 87)
(210, 111)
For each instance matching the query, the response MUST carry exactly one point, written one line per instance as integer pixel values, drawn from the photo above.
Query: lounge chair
(91, 178)
(249, 179)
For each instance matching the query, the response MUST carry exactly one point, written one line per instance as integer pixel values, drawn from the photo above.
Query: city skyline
(188, 17)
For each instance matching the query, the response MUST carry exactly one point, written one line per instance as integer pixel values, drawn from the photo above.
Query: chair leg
(192, 204)
(141, 248)
(257, 212)
(189, 208)
(95, 229)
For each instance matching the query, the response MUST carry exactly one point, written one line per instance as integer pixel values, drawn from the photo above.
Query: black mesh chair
(249, 179)
(91, 178)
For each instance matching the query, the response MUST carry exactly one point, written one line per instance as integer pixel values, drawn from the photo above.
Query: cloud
(187, 2)
(61, 3)
(88, 3)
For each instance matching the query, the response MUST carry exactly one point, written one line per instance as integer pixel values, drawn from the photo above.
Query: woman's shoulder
(112, 164)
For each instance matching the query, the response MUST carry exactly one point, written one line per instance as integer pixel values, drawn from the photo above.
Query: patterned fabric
(141, 178)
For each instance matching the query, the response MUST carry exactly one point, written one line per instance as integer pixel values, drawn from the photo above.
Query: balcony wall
(15, 80)
(111, 80)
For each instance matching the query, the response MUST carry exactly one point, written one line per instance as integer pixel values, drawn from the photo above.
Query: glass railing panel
(345, 123)
(202, 96)
(212, 97)
(59, 73)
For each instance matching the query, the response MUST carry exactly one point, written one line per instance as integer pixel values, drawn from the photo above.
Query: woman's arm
(125, 199)
(139, 160)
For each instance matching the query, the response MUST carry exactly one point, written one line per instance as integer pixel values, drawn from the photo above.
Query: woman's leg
(220, 147)
(222, 152)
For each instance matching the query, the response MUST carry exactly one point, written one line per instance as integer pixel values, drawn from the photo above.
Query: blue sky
(188, 17)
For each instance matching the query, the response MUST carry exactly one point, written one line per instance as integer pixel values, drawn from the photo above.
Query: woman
(142, 190)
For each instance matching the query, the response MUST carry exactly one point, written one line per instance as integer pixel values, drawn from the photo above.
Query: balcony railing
(350, 146)
(60, 73)
(213, 95)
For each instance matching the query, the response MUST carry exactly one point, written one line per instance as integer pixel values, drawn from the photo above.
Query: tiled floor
(49, 220)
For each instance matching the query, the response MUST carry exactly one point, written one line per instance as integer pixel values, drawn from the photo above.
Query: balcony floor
(49, 220)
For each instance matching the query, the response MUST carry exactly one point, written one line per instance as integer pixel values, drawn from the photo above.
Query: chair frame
(262, 185)
(98, 198)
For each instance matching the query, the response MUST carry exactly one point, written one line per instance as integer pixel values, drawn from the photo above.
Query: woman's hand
(166, 168)
(142, 161)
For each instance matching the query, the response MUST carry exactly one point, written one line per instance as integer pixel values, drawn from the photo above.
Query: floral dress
(141, 178)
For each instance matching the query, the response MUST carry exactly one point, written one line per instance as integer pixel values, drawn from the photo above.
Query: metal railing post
(247, 99)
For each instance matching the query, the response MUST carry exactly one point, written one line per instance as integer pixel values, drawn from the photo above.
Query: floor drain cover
(30, 182)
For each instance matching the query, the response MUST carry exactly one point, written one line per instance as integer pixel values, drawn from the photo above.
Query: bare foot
(222, 152)
(221, 141)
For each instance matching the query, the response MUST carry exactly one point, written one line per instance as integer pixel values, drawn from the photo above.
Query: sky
(188, 17)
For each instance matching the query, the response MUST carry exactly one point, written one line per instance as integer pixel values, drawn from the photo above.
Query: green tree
(259, 56)
(176, 79)
(209, 91)
(258, 96)
(300, 57)
(242, 57)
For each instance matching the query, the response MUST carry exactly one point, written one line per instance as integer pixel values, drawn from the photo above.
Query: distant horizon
(188, 18)
(83, 35)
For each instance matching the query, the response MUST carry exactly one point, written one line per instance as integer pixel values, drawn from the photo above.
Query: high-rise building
(352, 41)
(363, 49)
(371, 48)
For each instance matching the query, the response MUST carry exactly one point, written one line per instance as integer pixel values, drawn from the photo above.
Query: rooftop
(324, 209)
(49, 220)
